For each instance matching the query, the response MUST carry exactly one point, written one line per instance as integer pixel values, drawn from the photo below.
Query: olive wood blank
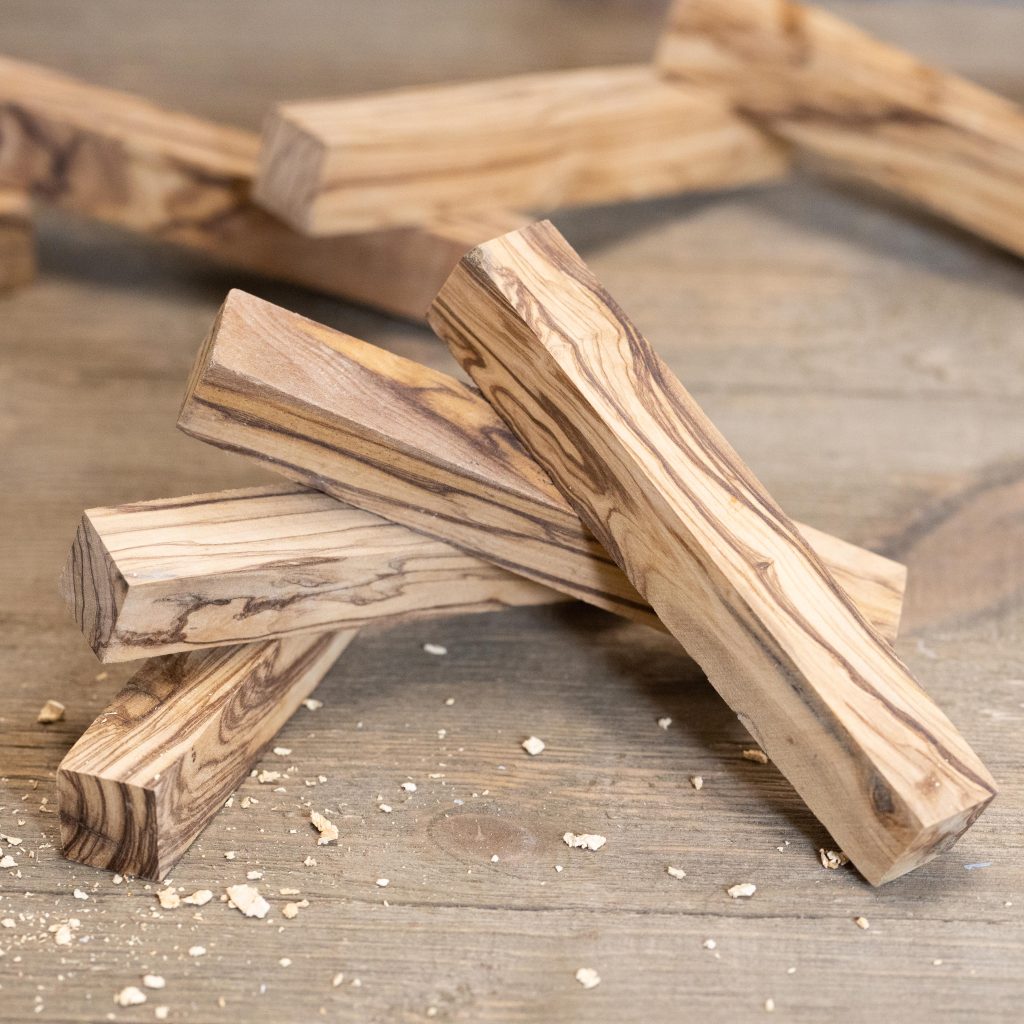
(535, 141)
(731, 577)
(159, 577)
(116, 158)
(859, 107)
(151, 772)
(17, 240)
(420, 448)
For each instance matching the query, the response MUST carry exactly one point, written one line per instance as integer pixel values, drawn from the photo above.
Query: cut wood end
(290, 170)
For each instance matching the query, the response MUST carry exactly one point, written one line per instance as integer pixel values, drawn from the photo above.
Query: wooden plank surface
(17, 239)
(885, 349)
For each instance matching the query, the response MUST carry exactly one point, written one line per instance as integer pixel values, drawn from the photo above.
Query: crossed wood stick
(804, 624)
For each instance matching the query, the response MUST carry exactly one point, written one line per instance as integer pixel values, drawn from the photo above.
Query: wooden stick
(422, 449)
(206, 570)
(17, 240)
(546, 140)
(151, 772)
(122, 160)
(730, 576)
(862, 108)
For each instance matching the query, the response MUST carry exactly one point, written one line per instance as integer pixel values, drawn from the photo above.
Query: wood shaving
(533, 745)
(327, 829)
(862, 922)
(696, 781)
(130, 996)
(832, 859)
(435, 649)
(664, 723)
(312, 704)
(248, 900)
(756, 755)
(585, 840)
(199, 898)
(588, 977)
(742, 889)
(153, 981)
(676, 872)
(52, 711)
(197, 951)
(169, 899)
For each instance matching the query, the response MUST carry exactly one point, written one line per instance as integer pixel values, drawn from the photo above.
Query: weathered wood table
(869, 364)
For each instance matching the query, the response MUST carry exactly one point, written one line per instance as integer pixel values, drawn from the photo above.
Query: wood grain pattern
(546, 140)
(151, 772)
(418, 447)
(17, 240)
(160, 577)
(860, 107)
(120, 159)
(729, 574)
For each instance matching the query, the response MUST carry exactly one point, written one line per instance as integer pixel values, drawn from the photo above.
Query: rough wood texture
(421, 448)
(120, 159)
(533, 141)
(160, 577)
(866, 362)
(149, 774)
(17, 240)
(866, 109)
(725, 569)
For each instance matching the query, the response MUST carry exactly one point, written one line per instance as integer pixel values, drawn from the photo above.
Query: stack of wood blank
(580, 469)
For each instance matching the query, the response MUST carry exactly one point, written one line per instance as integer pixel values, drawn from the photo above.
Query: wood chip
(862, 922)
(248, 900)
(327, 829)
(664, 723)
(199, 898)
(52, 711)
(153, 981)
(742, 889)
(756, 755)
(130, 996)
(588, 977)
(533, 746)
(169, 899)
(585, 840)
(696, 781)
(676, 872)
(832, 859)
(435, 649)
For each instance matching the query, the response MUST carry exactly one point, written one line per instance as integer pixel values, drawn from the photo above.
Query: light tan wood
(419, 447)
(562, 138)
(729, 574)
(120, 159)
(863, 108)
(17, 240)
(160, 577)
(156, 766)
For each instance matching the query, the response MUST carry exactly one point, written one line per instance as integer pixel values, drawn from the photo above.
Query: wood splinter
(729, 574)
(859, 107)
(420, 448)
(205, 570)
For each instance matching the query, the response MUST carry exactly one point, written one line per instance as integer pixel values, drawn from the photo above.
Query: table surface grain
(866, 360)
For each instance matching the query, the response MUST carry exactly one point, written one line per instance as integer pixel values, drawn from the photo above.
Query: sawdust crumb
(327, 829)
(449, 701)
(831, 859)
(409, 787)
(697, 782)
(248, 900)
(386, 808)
(283, 751)
(588, 977)
(769, 1005)
(383, 882)
(664, 723)
(585, 840)
(862, 922)
(161, 1012)
(676, 872)
(709, 944)
(197, 951)
(533, 745)
(337, 980)
(52, 711)
(153, 981)
(285, 961)
(230, 855)
(199, 898)
(310, 862)
(436, 649)
(130, 996)
(291, 910)
(266, 776)
(254, 876)
(169, 899)
(312, 704)
(742, 889)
